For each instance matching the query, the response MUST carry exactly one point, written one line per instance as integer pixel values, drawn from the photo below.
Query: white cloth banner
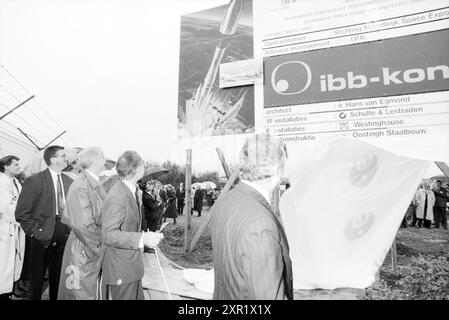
(343, 209)
(202, 279)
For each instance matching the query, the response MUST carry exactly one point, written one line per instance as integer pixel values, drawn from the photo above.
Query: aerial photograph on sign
(209, 38)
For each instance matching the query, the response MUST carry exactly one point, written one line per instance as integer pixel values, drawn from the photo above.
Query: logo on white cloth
(358, 226)
(364, 170)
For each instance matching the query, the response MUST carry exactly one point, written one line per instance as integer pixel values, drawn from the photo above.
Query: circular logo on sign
(358, 226)
(364, 170)
(293, 75)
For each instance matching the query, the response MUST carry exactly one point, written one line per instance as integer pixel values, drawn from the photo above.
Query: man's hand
(152, 239)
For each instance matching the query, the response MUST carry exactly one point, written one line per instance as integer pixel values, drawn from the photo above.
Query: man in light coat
(424, 199)
(12, 237)
(82, 255)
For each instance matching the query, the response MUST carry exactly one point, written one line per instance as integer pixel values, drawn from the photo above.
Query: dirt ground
(410, 243)
(173, 243)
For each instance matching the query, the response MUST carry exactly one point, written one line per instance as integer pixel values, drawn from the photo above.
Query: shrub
(425, 279)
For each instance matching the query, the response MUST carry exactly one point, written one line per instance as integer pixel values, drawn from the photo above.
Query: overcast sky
(104, 70)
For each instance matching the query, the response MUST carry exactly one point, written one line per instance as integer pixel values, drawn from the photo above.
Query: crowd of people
(428, 207)
(90, 234)
(74, 222)
(160, 202)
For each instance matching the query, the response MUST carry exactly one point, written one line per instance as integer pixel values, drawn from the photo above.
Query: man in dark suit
(180, 195)
(439, 208)
(250, 249)
(122, 266)
(39, 210)
(198, 200)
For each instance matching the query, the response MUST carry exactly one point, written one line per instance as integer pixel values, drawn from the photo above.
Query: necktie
(137, 199)
(59, 195)
(15, 184)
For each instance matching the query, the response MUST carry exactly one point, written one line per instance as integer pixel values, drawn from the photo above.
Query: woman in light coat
(424, 200)
(12, 237)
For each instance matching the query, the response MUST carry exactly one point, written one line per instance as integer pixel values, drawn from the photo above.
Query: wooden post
(394, 258)
(188, 199)
(223, 163)
(205, 223)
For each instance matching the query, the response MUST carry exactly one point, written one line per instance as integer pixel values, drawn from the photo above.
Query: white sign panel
(371, 70)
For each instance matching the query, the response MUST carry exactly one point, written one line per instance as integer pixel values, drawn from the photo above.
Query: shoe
(148, 250)
(21, 289)
(19, 293)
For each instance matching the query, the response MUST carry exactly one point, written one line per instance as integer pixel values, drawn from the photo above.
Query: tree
(176, 175)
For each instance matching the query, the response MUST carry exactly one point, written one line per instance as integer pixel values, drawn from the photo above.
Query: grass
(411, 243)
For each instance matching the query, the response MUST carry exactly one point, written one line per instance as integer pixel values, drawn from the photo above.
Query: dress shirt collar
(263, 192)
(132, 187)
(54, 174)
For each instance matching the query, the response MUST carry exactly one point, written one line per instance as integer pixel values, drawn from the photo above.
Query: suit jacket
(150, 206)
(83, 215)
(121, 223)
(198, 200)
(180, 195)
(250, 249)
(163, 195)
(441, 198)
(36, 207)
(109, 182)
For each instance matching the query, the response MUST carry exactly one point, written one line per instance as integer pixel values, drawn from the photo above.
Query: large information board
(376, 70)
(372, 70)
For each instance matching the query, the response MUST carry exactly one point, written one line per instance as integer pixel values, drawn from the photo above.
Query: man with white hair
(122, 265)
(250, 249)
(81, 262)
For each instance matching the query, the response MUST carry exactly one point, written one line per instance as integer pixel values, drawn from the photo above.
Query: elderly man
(82, 255)
(250, 249)
(12, 237)
(122, 266)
